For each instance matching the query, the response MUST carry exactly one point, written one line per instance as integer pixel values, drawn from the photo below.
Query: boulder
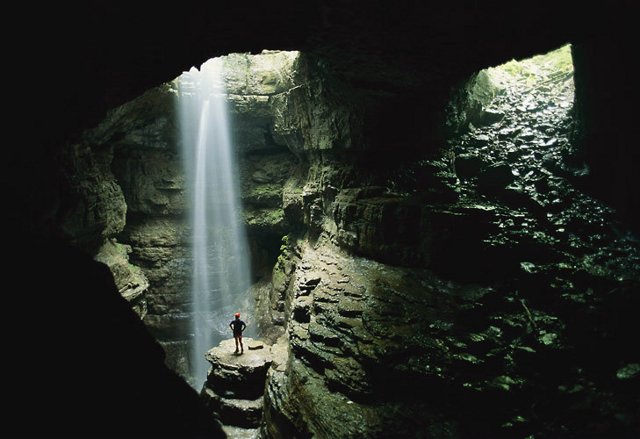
(469, 165)
(238, 376)
(130, 280)
(489, 117)
(236, 382)
(495, 178)
(232, 411)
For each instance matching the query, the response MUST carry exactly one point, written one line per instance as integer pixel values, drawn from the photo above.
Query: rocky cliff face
(454, 297)
(234, 390)
(87, 58)
(127, 183)
(93, 212)
(450, 285)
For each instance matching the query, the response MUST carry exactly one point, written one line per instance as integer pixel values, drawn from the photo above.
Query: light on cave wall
(518, 122)
(221, 271)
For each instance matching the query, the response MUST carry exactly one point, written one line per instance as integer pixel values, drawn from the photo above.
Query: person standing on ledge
(238, 326)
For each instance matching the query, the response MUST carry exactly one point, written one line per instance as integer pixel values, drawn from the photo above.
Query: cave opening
(392, 270)
(191, 179)
(511, 146)
(422, 276)
(518, 113)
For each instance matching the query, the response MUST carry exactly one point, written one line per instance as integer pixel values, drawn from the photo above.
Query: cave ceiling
(102, 54)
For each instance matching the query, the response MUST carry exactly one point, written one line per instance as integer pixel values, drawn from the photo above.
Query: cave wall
(375, 48)
(423, 282)
(604, 90)
(454, 295)
(103, 54)
(127, 196)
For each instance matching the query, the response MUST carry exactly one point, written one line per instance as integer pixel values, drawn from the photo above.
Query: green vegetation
(263, 217)
(269, 194)
(551, 66)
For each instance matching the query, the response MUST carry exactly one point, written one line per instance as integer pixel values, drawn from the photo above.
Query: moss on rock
(130, 280)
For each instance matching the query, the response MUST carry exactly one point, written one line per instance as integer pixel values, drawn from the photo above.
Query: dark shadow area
(80, 362)
(606, 130)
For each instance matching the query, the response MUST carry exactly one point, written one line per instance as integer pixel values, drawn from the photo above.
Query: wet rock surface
(408, 48)
(366, 344)
(496, 317)
(93, 207)
(467, 291)
(130, 280)
(236, 383)
(127, 185)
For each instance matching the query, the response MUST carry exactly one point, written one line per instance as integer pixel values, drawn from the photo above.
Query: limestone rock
(252, 117)
(310, 120)
(265, 219)
(359, 315)
(468, 165)
(495, 177)
(235, 383)
(176, 358)
(298, 404)
(293, 203)
(267, 73)
(384, 227)
(263, 178)
(489, 117)
(411, 307)
(130, 280)
(160, 247)
(169, 326)
(233, 411)
(153, 181)
(94, 207)
(241, 375)
(467, 105)
(156, 232)
(252, 82)
(240, 432)
(143, 123)
(376, 334)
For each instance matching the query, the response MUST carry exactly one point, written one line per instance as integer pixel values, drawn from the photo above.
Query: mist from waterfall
(221, 273)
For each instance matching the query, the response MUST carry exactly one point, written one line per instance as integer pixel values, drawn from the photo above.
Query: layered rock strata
(453, 288)
(127, 183)
(453, 298)
(235, 384)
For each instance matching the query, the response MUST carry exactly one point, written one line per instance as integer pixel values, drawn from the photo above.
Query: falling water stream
(221, 272)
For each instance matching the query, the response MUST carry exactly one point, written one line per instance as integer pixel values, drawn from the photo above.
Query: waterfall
(221, 274)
